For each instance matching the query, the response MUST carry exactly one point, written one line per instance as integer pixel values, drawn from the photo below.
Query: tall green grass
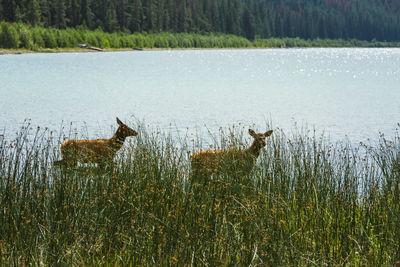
(307, 202)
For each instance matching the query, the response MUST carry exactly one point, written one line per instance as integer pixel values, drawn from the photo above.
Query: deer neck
(254, 149)
(118, 138)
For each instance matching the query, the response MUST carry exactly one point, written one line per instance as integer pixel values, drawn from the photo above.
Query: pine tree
(172, 18)
(149, 16)
(45, 14)
(248, 24)
(166, 17)
(137, 16)
(18, 15)
(58, 12)
(74, 13)
(33, 12)
(110, 19)
(233, 21)
(87, 14)
(8, 8)
(1, 9)
(182, 16)
(124, 13)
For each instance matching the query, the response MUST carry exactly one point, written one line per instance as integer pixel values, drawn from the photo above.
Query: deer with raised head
(236, 161)
(100, 151)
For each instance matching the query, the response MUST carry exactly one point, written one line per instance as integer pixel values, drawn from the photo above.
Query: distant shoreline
(55, 50)
(22, 38)
(108, 50)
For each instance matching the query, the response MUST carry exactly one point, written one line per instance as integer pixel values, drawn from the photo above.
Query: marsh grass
(307, 202)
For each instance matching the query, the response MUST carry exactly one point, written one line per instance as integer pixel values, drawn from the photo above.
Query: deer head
(259, 141)
(124, 130)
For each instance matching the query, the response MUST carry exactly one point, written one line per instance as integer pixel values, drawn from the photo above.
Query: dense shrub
(50, 39)
(160, 41)
(37, 35)
(139, 40)
(105, 43)
(91, 39)
(8, 36)
(115, 40)
(24, 36)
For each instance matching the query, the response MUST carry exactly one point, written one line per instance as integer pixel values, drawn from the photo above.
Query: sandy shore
(85, 50)
(60, 50)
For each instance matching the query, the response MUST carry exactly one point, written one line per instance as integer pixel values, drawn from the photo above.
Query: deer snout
(130, 132)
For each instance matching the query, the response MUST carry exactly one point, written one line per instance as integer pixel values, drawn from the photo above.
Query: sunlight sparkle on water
(345, 92)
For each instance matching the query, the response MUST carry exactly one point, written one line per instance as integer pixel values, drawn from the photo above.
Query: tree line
(306, 19)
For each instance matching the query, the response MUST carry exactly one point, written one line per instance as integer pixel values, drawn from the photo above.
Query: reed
(307, 201)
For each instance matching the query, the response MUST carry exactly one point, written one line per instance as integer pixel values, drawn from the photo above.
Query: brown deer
(234, 161)
(100, 151)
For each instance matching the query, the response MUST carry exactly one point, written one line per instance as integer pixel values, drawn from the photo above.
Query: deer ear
(268, 133)
(252, 133)
(119, 122)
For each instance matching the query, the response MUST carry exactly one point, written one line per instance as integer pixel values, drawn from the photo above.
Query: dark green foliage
(8, 36)
(50, 39)
(87, 15)
(25, 37)
(57, 8)
(37, 35)
(330, 19)
(248, 24)
(33, 12)
(45, 12)
(66, 39)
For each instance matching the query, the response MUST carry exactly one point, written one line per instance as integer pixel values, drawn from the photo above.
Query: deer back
(88, 150)
(232, 161)
(99, 150)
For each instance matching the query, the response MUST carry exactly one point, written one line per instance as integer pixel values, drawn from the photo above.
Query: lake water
(348, 93)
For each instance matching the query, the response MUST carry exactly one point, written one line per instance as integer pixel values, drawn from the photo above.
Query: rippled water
(344, 92)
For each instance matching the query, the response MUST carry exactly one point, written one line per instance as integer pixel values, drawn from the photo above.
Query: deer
(100, 151)
(205, 163)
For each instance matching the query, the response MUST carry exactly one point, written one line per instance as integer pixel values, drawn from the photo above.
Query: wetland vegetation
(308, 201)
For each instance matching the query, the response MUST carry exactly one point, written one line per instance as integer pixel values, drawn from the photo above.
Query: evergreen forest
(369, 20)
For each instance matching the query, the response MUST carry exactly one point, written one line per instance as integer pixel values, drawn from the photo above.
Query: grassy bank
(307, 202)
(21, 38)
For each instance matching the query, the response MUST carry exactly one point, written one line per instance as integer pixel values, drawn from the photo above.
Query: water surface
(352, 93)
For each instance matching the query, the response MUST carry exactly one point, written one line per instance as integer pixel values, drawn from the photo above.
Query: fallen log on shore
(96, 49)
(90, 47)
